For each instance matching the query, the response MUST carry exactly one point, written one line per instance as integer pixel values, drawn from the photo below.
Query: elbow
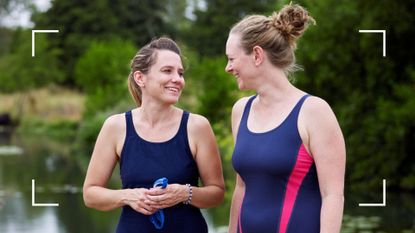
(89, 203)
(220, 198)
(88, 200)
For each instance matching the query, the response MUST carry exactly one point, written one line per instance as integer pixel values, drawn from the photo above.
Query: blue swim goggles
(158, 217)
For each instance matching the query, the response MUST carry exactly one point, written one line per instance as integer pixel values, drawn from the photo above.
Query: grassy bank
(52, 111)
(48, 105)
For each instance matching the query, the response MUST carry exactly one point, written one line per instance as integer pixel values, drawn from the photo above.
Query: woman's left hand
(171, 195)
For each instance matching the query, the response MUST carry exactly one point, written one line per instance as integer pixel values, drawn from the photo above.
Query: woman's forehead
(233, 42)
(167, 57)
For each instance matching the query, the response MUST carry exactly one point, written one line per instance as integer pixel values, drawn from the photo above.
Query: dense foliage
(373, 96)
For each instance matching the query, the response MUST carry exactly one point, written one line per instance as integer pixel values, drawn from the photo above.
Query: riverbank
(49, 104)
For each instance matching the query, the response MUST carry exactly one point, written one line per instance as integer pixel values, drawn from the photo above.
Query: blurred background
(52, 106)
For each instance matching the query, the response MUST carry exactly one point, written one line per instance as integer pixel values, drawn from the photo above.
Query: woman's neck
(153, 114)
(275, 87)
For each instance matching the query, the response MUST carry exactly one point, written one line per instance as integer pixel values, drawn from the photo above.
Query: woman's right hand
(136, 199)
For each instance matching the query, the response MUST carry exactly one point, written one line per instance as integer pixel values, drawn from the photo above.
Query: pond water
(59, 176)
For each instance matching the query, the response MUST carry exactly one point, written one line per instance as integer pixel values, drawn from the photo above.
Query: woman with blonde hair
(289, 150)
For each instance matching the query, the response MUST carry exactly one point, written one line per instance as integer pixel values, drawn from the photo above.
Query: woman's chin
(172, 100)
(242, 87)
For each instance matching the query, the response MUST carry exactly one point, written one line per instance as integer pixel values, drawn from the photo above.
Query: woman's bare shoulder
(197, 122)
(318, 113)
(239, 107)
(316, 106)
(114, 125)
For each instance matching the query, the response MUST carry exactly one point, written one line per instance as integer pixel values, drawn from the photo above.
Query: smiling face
(164, 81)
(239, 64)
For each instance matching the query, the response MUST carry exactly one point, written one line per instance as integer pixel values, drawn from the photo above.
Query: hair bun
(291, 21)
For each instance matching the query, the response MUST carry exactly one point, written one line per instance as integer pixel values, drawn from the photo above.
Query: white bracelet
(189, 198)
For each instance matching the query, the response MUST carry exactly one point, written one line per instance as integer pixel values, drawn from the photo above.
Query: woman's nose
(176, 78)
(228, 68)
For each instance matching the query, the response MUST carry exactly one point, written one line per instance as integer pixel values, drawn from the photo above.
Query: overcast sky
(21, 17)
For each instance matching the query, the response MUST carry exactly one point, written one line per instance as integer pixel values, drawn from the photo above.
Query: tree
(372, 95)
(102, 72)
(209, 31)
(214, 89)
(21, 71)
(141, 21)
(79, 22)
(6, 35)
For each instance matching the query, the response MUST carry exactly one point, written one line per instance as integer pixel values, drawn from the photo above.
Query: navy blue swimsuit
(282, 193)
(142, 162)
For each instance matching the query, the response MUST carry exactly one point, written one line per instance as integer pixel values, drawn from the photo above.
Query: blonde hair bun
(292, 20)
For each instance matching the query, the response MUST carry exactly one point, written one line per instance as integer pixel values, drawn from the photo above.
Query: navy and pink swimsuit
(282, 193)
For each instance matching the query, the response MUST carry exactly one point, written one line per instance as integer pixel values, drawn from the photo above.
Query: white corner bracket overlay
(383, 204)
(39, 31)
(384, 38)
(33, 198)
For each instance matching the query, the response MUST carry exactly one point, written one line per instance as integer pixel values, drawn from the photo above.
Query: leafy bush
(102, 73)
(20, 71)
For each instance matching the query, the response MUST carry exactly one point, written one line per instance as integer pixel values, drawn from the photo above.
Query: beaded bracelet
(189, 198)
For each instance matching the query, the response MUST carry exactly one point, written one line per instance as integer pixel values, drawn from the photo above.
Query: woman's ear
(258, 55)
(139, 78)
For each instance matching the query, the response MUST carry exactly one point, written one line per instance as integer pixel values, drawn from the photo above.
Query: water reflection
(58, 180)
(45, 221)
(18, 216)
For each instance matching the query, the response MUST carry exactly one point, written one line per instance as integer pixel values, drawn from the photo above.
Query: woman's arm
(239, 192)
(237, 198)
(326, 144)
(206, 154)
(101, 166)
